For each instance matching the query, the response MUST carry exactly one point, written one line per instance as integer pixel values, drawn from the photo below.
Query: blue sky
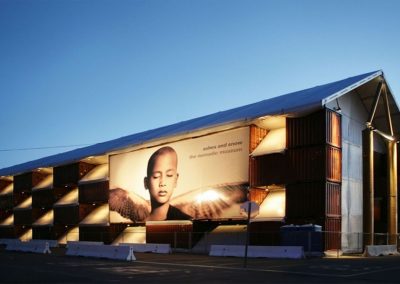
(80, 72)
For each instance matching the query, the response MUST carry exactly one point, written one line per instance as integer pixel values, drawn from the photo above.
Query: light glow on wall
(7, 190)
(97, 174)
(99, 216)
(46, 183)
(9, 221)
(26, 236)
(273, 206)
(274, 142)
(207, 196)
(71, 235)
(46, 219)
(26, 204)
(70, 198)
(133, 235)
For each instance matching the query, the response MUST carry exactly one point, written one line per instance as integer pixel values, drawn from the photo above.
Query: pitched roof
(296, 102)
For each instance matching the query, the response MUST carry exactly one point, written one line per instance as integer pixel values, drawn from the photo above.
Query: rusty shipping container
(43, 198)
(23, 216)
(25, 182)
(333, 228)
(96, 192)
(319, 128)
(43, 232)
(66, 214)
(69, 175)
(313, 200)
(268, 169)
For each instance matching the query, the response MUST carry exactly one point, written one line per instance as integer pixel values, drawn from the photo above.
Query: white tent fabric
(273, 206)
(274, 142)
(294, 103)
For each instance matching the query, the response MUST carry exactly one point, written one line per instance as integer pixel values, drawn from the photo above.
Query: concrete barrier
(149, 247)
(258, 251)
(86, 249)
(380, 250)
(74, 247)
(9, 241)
(36, 247)
(52, 243)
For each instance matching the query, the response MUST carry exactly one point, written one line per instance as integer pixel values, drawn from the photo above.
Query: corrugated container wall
(314, 157)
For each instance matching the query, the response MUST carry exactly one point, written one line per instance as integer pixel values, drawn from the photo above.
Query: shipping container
(66, 214)
(7, 232)
(305, 200)
(69, 175)
(333, 128)
(94, 234)
(176, 233)
(23, 216)
(6, 202)
(43, 198)
(257, 134)
(43, 233)
(333, 164)
(258, 195)
(314, 163)
(265, 233)
(96, 192)
(268, 169)
(333, 228)
(313, 200)
(306, 131)
(306, 164)
(333, 200)
(4, 183)
(25, 182)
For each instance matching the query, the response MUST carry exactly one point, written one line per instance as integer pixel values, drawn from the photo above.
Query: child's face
(162, 181)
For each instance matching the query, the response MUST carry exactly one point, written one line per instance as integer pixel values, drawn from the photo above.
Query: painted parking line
(346, 271)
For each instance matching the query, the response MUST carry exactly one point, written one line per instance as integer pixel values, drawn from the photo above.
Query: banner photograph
(200, 178)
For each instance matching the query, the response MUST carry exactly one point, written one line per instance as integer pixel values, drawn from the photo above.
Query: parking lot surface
(18, 267)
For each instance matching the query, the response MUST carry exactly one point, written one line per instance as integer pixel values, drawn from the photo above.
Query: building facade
(324, 156)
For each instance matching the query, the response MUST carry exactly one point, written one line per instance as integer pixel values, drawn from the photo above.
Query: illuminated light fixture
(209, 195)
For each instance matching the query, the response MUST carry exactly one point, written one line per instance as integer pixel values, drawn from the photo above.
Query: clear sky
(79, 72)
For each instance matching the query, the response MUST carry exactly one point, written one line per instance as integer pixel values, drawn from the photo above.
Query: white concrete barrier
(149, 247)
(9, 241)
(36, 247)
(74, 247)
(120, 252)
(378, 250)
(52, 243)
(258, 251)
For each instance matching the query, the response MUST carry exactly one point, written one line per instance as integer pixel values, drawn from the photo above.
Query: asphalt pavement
(19, 267)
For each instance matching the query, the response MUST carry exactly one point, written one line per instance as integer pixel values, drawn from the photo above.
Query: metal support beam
(368, 186)
(392, 192)
(387, 110)
(375, 104)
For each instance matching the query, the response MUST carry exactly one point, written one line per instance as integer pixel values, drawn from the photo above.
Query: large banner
(198, 178)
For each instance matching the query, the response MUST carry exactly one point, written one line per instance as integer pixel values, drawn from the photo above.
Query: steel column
(368, 188)
(392, 192)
